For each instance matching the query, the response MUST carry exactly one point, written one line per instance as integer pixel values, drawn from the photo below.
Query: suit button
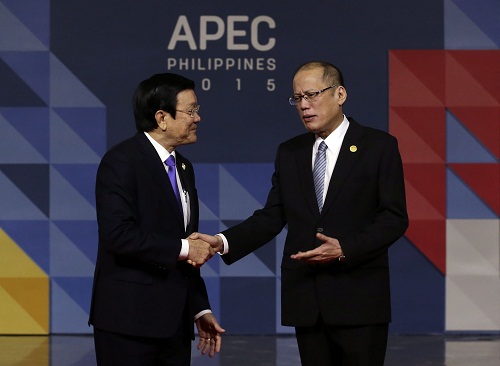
(320, 230)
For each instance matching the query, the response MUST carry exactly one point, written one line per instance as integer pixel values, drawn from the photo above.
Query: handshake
(202, 247)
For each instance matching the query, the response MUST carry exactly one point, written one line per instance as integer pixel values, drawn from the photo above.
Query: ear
(342, 95)
(161, 119)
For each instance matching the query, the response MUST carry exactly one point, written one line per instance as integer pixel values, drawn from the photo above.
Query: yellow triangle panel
(25, 351)
(14, 262)
(32, 295)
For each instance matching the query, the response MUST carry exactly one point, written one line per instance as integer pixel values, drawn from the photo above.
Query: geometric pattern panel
(468, 26)
(444, 108)
(52, 137)
(473, 275)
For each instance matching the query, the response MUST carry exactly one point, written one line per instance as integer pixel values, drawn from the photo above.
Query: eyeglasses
(309, 96)
(191, 111)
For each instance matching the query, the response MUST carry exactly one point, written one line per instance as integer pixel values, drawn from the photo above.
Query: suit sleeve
(261, 227)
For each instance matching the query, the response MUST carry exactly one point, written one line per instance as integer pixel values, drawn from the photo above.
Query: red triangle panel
(482, 122)
(483, 179)
(429, 236)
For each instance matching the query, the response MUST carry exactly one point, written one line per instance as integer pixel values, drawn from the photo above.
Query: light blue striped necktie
(319, 173)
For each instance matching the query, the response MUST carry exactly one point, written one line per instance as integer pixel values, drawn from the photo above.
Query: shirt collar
(335, 137)
(162, 152)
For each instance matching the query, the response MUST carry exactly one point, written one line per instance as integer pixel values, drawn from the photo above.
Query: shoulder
(297, 142)
(367, 132)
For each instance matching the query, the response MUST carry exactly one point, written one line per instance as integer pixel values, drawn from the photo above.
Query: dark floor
(429, 350)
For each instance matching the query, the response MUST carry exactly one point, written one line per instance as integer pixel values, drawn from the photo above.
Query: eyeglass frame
(313, 97)
(192, 111)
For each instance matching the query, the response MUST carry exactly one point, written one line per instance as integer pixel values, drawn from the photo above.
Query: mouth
(308, 117)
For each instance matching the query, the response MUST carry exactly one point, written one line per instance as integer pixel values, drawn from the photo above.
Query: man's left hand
(209, 332)
(328, 251)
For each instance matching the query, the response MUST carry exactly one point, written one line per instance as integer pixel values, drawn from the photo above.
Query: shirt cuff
(201, 313)
(226, 244)
(184, 250)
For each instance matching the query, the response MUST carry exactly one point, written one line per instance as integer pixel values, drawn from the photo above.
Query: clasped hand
(207, 242)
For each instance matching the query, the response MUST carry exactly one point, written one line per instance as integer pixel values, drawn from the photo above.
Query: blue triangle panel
(256, 178)
(32, 180)
(18, 93)
(81, 177)
(461, 32)
(33, 238)
(78, 288)
(66, 203)
(35, 130)
(82, 233)
(33, 68)
(67, 146)
(462, 202)
(462, 146)
(207, 183)
(14, 205)
(266, 254)
(34, 14)
(486, 16)
(418, 291)
(89, 124)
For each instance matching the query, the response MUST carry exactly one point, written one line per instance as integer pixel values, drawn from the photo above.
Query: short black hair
(159, 92)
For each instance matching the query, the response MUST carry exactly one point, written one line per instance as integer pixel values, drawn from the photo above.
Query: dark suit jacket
(365, 209)
(140, 286)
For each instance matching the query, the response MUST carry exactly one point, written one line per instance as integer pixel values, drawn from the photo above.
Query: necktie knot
(170, 161)
(322, 147)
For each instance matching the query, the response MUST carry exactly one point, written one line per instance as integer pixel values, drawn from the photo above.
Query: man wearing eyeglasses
(340, 190)
(146, 296)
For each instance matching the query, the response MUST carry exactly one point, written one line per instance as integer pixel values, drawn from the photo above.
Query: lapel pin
(353, 148)
(183, 166)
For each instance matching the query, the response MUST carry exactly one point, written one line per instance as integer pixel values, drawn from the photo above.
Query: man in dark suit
(344, 204)
(146, 297)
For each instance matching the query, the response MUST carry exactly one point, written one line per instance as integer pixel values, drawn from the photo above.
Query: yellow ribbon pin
(183, 166)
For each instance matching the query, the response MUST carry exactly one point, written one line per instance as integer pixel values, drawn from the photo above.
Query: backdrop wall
(426, 71)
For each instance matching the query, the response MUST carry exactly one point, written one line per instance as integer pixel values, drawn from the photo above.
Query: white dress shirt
(334, 142)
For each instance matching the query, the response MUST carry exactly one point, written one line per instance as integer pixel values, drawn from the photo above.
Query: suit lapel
(157, 170)
(348, 155)
(187, 182)
(304, 159)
